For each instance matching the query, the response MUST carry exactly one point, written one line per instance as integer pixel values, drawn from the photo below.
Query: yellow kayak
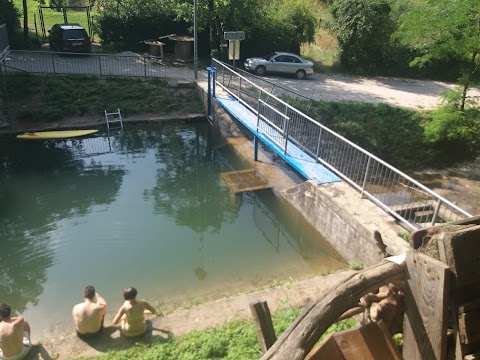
(55, 134)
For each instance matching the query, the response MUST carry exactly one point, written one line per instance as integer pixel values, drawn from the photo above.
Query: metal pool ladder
(113, 117)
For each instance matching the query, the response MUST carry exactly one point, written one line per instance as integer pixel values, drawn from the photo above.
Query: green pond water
(143, 207)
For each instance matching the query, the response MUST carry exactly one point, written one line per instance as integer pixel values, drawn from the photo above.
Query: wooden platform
(245, 180)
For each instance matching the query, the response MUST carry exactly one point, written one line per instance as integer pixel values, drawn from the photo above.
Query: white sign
(234, 35)
(234, 50)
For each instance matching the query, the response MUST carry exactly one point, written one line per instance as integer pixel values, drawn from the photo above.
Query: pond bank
(184, 321)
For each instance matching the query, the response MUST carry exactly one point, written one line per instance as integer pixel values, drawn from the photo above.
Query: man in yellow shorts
(14, 335)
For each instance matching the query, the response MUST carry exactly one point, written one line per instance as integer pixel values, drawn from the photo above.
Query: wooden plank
(425, 325)
(326, 349)
(473, 356)
(263, 323)
(369, 342)
(469, 327)
(352, 345)
(461, 250)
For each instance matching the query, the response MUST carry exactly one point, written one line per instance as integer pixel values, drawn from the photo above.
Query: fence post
(100, 65)
(145, 66)
(319, 143)
(263, 324)
(239, 87)
(53, 62)
(209, 94)
(214, 79)
(366, 175)
(435, 213)
(287, 128)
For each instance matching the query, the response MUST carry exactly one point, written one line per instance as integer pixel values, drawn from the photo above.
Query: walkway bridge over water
(319, 153)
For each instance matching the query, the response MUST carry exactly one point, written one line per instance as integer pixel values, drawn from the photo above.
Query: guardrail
(289, 96)
(101, 65)
(406, 199)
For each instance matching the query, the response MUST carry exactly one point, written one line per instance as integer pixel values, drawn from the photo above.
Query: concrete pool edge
(183, 321)
(99, 122)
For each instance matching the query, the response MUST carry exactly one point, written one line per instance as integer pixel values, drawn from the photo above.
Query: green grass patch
(233, 341)
(38, 98)
(50, 17)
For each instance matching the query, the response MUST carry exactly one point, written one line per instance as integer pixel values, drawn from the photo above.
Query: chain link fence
(101, 65)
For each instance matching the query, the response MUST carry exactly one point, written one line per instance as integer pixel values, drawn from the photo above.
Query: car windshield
(74, 34)
(269, 56)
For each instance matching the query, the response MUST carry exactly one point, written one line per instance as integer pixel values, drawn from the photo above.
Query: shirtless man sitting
(14, 335)
(89, 315)
(131, 314)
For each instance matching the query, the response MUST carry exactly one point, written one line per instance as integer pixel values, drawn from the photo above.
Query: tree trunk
(25, 21)
(466, 85)
(297, 341)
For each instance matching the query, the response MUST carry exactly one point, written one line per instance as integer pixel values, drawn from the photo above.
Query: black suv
(69, 38)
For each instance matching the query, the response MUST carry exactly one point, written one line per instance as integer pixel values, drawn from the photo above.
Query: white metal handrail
(403, 197)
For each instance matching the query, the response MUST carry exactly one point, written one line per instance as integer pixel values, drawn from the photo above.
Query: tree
(9, 15)
(443, 29)
(363, 29)
(25, 21)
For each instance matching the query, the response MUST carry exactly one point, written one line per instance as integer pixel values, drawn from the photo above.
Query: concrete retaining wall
(346, 220)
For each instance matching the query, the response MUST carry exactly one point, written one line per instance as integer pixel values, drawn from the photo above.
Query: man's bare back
(14, 335)
(89, 315)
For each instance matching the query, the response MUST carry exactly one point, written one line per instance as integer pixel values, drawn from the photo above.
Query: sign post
(234, 37)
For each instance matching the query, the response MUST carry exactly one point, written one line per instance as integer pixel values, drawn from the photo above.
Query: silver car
(280, 62)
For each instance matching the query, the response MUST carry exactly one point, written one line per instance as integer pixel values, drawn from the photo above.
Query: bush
(394, 134)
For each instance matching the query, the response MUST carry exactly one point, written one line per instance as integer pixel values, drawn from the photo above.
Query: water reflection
(189, 187)
(281, 224)
(36, 178)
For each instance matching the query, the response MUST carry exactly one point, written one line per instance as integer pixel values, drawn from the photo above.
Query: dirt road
(409, 93)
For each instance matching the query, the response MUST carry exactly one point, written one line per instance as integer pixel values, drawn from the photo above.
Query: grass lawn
(233, 341)
(34, 98)
(324, 50)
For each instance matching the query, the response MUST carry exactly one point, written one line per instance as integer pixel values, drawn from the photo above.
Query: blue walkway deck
(303, 163)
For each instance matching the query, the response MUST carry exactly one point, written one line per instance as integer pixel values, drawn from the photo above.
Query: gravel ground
(409, 93)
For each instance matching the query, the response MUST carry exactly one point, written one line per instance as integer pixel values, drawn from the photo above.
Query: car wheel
(300, 74)
(260, 70)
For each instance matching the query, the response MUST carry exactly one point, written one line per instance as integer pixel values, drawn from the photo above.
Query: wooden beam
(300, 337)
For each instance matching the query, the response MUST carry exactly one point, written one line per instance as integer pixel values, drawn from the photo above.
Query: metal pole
(435, 213)
(195, 41)
(366, 176)
(234, 54)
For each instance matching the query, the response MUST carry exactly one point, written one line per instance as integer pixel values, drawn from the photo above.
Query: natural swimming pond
(143, 207)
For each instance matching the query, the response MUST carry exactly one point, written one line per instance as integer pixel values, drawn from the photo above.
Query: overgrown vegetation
(38, 98)
(407, 139)
(233, 341)
(282, 24)
(355, 265)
